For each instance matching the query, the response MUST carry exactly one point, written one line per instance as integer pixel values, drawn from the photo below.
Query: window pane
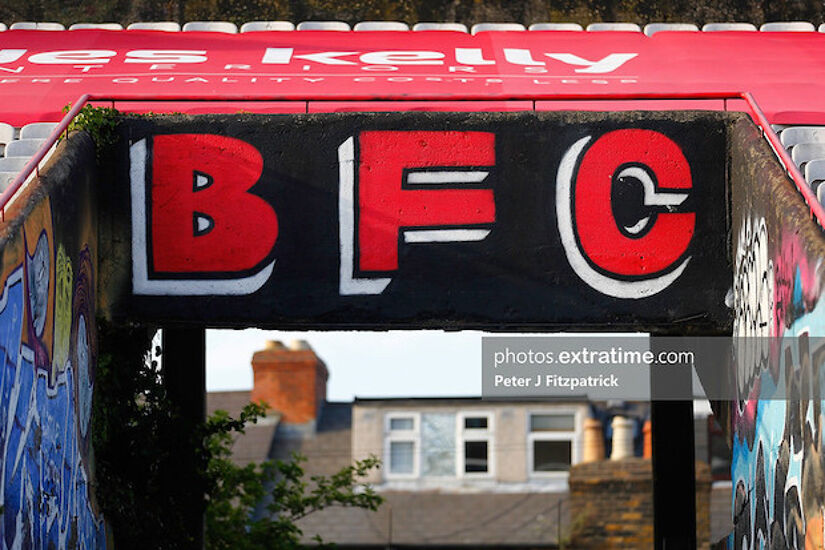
(401, 457)
(438, 444)
(475, 456)
(401, 423)
(475, 423)
(552, 422)
(551, 456)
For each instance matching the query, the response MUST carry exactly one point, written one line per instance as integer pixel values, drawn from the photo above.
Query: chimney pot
(622, 438)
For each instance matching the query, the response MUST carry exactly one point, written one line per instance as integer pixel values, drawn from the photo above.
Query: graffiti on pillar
(778, 466)
(414, 220)
(48, 349)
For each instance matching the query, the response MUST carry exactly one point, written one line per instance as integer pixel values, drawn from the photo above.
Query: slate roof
(445, 519)
(256, 443)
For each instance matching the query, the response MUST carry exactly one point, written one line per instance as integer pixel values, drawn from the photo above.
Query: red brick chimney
(291, 380)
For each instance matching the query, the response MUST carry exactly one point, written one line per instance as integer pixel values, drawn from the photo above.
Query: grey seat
(210, 26)
(496, 27)
(13, 164)
(322, 26)
(6, 134)
(168, 26)
(6, 178)
(381, 26)
(104, 26)
(794, 135)
(555, 27)
(788, 26)
(459, 27)
(601, 27)
(24, 147)
(721, 27)
(37, 26)
(257, 26)
(815, 172)
(653, 28)
(37, 130)
(806, 152)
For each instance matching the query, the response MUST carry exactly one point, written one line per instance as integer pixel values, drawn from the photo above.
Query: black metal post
(674, 468)
(184, 374)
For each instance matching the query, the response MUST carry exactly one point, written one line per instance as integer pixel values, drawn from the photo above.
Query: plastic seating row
(18, 147)
(253, 26)
(806, 144)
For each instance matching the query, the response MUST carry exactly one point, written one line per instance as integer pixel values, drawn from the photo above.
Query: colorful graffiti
(48, 348)
(778, 466)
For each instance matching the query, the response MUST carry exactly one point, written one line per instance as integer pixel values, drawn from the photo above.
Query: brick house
(455, 472)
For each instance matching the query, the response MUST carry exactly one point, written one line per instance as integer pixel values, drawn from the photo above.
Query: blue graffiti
(44, 486)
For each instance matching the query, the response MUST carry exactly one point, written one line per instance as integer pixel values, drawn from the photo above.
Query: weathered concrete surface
(362, 220)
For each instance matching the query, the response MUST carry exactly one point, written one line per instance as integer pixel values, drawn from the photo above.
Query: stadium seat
(555, 27)
(653, 28)
(37, 130)
(6, 136)
(806, 152)
(6, 133)
(460, 27)
(716, 27)
(794, 135)
(39, 26)
(788, 26)
(815, 171)
(24, 147)
(103, 26)
(323, 26)
(169, 26)
(255, 26)
(487, 27)
(6, 178)
(13, 164)
(599, 27)
(381, 26)
(210, 26)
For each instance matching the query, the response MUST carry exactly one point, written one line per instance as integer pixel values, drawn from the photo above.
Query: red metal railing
(817, 210)
(33, 166)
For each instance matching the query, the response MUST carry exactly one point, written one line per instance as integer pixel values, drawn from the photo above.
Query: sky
(362, 364)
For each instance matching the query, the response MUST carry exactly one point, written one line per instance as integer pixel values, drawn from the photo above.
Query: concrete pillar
(622, 438)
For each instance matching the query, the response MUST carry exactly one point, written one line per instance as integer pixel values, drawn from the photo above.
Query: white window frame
(475, 434)
(571, 436)
(413, 436)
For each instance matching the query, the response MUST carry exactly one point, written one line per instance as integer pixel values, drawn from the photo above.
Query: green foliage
(256, 507)
(100, 122)
(146, 495)
(136, 441)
